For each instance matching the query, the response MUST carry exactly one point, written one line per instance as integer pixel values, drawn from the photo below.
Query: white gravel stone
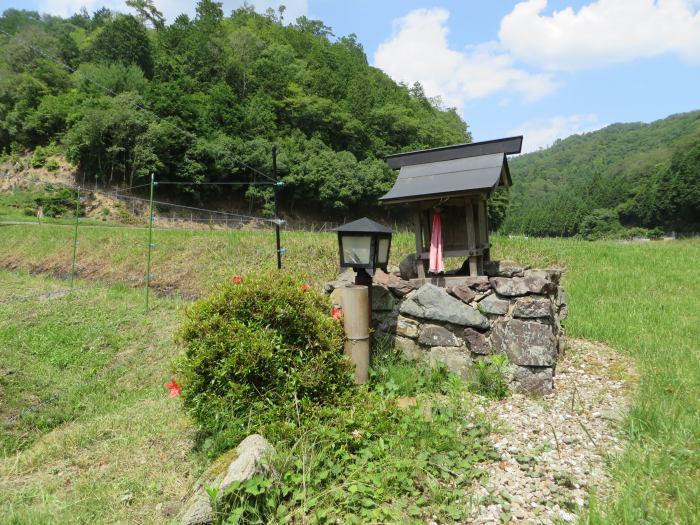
(556, 431)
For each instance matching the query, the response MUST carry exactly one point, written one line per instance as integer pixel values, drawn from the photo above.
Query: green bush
(599, 224)
(58, 201)
(38, 158)
(52, 165)
(644, 233)
(260, 354)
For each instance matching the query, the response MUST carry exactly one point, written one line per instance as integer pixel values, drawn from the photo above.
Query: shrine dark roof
(478, 174)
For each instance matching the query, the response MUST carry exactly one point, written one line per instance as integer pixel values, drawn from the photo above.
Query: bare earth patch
(554, 449)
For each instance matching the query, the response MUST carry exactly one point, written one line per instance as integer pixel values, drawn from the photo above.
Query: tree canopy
(129, 95)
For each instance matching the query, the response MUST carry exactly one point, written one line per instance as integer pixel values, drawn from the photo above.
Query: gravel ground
(554, 449)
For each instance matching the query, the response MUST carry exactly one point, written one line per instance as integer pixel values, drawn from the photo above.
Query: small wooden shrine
(457, 181)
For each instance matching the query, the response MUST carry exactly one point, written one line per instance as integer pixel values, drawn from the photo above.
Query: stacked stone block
(512, 310)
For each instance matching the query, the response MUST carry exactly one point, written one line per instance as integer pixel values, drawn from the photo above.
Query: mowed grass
(88, 433)
(642, 299)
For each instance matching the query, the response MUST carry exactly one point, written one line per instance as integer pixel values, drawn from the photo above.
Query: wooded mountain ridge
(636, 175)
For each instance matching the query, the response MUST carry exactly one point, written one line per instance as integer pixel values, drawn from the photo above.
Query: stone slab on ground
(551, 454)
(249, 461)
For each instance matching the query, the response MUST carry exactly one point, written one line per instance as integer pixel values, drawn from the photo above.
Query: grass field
(109, 362)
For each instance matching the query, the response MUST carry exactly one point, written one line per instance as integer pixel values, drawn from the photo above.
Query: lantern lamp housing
(364, 244)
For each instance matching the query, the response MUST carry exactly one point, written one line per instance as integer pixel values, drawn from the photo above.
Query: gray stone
(250, 461)
(480, 283)
(407, 267)
(527, 343)
(344, 278)
(411, 351)
(457, 361)
(435, 335)
(533, 308)
(384, 322)
(396, 285)
(477, 342)
(407, 327)
(253, 451)
(431, 302)
(509, 287)
(538, 282)
(554, 274)
(463, 293)
(503, 269)
(382, 299)
(533, 380)
(491, 304)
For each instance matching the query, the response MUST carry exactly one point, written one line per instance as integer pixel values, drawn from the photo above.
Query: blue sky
(543, 68)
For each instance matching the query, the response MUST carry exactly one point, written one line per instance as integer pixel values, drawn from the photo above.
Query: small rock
(510, 287)
(477, 342)
(435, 335)
(533, 308)
(407, 327)
(456, 361)
(463, 293)
(411, 351)
(382, 299)
(494, 305)
(407, 267)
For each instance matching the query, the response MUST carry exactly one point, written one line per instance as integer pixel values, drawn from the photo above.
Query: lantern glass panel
(356, 249)
(383, 251)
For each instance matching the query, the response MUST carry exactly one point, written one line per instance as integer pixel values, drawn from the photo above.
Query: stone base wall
(513, 310)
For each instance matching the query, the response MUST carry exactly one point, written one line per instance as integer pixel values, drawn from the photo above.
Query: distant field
(643, 299)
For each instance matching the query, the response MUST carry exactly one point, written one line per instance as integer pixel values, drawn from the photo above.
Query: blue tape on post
(283, 250)
(279, 184)
(155, 183)
(152, 244)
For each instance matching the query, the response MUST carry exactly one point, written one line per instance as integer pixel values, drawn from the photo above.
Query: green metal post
(75, 239)
(150, 242)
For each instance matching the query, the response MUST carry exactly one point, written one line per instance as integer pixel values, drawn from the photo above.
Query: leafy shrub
(57, 202)
(364, 460)
(599, 224)
(260, 354)
(38, 158)
(52, 165)
(644, 233)
(491, 376)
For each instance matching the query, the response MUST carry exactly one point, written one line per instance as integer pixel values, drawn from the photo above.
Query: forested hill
(639, 175)
(188, 101)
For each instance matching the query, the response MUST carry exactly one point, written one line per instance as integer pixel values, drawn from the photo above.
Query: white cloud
(172, 8)
(418, 51)
(602, 32)
(66, 8)
(542, 132)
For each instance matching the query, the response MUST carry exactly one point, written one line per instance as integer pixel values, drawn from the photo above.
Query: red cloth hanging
(437, 264)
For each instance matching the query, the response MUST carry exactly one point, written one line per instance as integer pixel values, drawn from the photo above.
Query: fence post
(150, 241)
(278, 185)
(75, 239)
